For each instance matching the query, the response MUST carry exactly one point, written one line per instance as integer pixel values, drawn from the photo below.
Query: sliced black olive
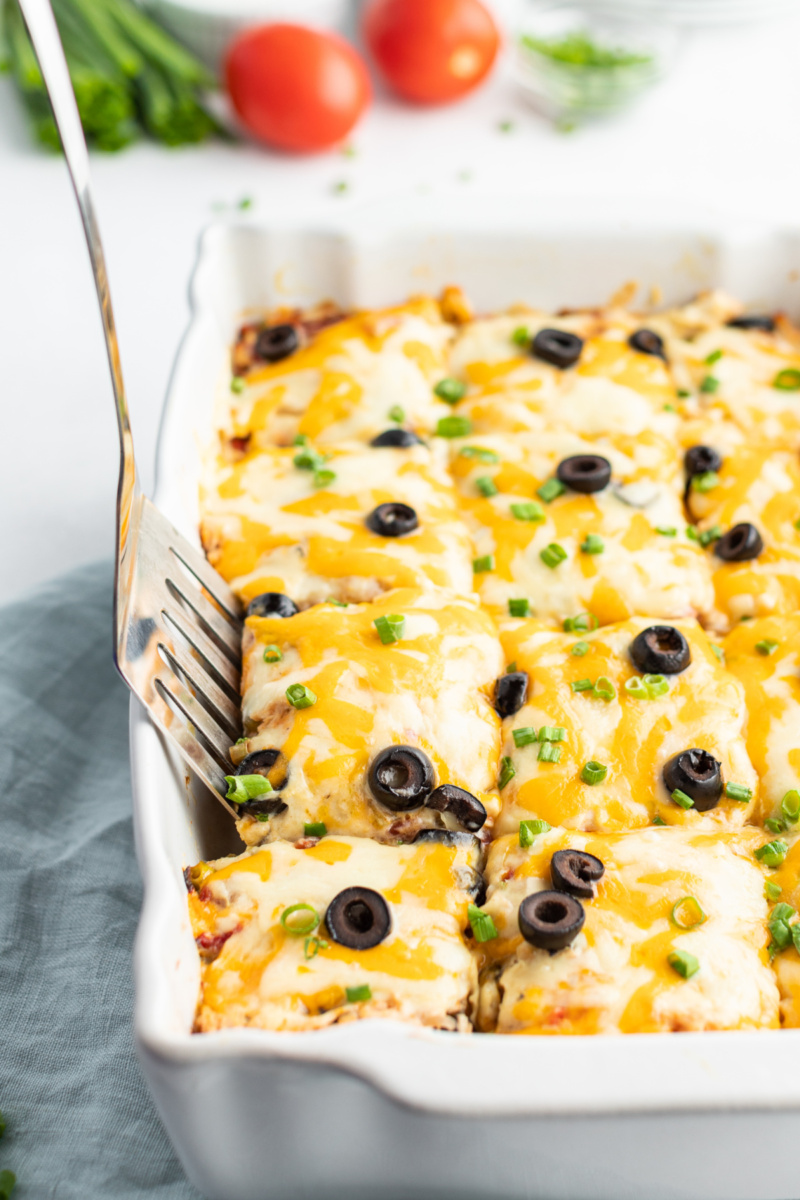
(401, 777)
(660, 650)
(698, 775)
(753, 321)
(276, 342)
(557, 347)
(647, 341)
(397, 437)
(358, 918)
(272, 604)
(448, 837)
(465, 807)
(550, 920)
(392, 520)
(739, 544)
(585, 473)
(576, 872)
(510, 693)
(263, 762)
(699, 459)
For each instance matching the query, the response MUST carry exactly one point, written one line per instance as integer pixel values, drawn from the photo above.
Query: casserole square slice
(271, 525)
(674, 937)
(615, 552)
(330, 689)
(590, 745)
(276, 955)
(765, 656)
(350, 378)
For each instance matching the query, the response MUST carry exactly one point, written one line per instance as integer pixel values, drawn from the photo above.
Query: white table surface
(722, 130)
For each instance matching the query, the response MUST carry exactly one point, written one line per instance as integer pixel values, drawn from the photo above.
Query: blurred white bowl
(207, 27)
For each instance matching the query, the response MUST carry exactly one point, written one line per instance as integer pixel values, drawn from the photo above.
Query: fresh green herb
(746, 617)
(773, 853)
(300, 439)
(450, 390)
(323, 479)
(237, 384)
(340, 187)
(553, 555)
(692, 534)
(357, 995)
(525, 736)
(577, 49)
(707, 536)
(312, 947)
(683, 963)
(507, 772)
(479, 453)
(521, 336)
(453, 427)
(657, 820)
(528, 511)
(681, 799)
(738, 791)
(481, 924)
(263, 818)
(687, 913)
(245, 203)
(772, 890)
(315, 829)
(481, 565)
(528, 830)
(683, 393)
(774, 826)
(669, 408)
(705, 481)
(713, 357)
(787, 381)
(593, 772)
(552, 733)
(790, 806)
(593, 544)
(337, 603)
(767, 646)
(581, 685)
(717, 651)
(550, 490)
(585, 622)
(505, 126)
(299, 696)
(519, 608)
(549, 753)
(242, 788)
(272, 654)
(797, 523)
(779, 925)
(8, 1181)
(709, 384)
(604, 689)
(396, 414)
(309, 459)
(300, 919)
(579, 649)
(486, 486)
(667, 530)
(390, 628)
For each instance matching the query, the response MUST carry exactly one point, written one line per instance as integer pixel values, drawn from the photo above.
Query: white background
(723, 129)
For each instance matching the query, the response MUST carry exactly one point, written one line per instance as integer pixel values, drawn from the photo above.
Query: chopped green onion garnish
(262, 817)
(299, 696)
(593, 772)
(692, 533)
(683, 963)
(774, 826)
(528, 830)
(687, 913)
(605, 689)
(773, 853)
(583, 623)
(453, 427)
(390, 628)
(300, 919)
(337, 603)
(486, 485)
(511, 668)
(790, 806)
(300, 439)
(312, 947)
(667, 530)
(355, 995)
(507, 772)
(681, 799)
(772, 890)
(713, 357)
(718, 651)
(738, 791)
(553, 555)
(767, 646)
(242, 788)
(636, 686)
(709, 535)
(481, 924)
(550, 490)
(396, 414)
(237, 384)
(657, 820)
(478, 452)
(450, 390)
(779, 925)
(705, 481)
(683, 393)
(709, 384)
(481, 565)
(314, 829)
(647, 687)
(521, 336)
(579, 649)
(272, 654)
(528, 511)
(593, 544)
(519, 608)
(552, 733)
(524, 736)
(787, 381)
(323, 479)
(549, 753)
(797, 524)
(581, 685)
(669, 408)
(309, 459)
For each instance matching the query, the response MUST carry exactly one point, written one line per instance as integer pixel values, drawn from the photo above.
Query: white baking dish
(377, 1109)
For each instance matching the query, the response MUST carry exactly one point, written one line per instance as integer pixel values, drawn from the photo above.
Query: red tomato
(431, 51)
(296, 88)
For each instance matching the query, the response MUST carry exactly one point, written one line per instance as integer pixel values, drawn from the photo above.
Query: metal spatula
(177, 623)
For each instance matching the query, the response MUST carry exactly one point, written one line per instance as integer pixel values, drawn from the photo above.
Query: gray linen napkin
(81, 1125)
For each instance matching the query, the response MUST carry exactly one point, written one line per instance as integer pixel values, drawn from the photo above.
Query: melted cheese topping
(772, 691)
(268, 528)
(640, 570)
(431, 689)
(615, 977)
(632, 737)
(262, 976)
